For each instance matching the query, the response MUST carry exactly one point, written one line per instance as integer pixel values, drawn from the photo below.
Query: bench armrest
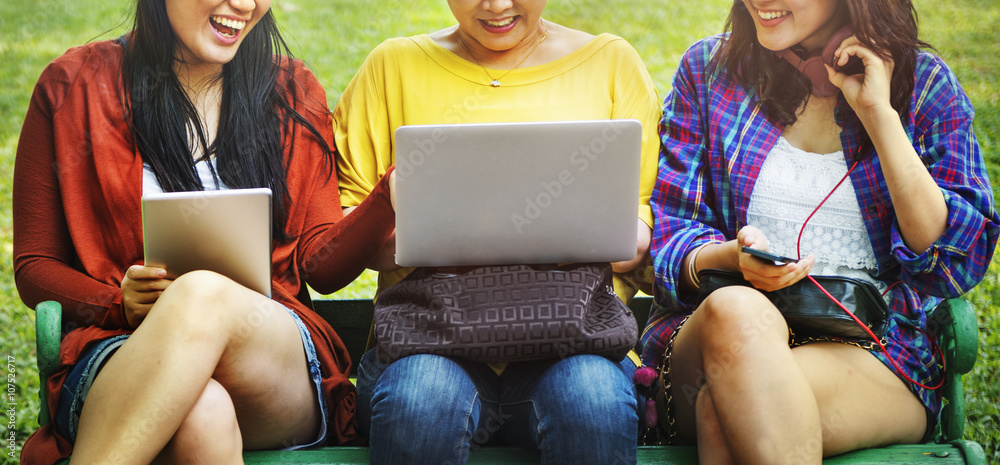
(958, 336)
(48, 332)
(958, 332)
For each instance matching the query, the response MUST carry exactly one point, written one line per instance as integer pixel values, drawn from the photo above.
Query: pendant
(495, 83)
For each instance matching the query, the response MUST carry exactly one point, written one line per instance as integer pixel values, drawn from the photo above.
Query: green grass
(334, 36)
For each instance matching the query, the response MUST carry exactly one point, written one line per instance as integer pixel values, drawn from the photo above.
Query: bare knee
(209, 433)
(204, 304)
(737, 317)
(201, 288)
(732, 324)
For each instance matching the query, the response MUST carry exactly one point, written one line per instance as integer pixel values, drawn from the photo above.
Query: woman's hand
(141, 287)
(385, 259)
(643, 235)
(765, 276)
(392, 189)
(866, 93)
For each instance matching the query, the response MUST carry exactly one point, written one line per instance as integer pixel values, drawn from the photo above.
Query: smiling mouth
(501, 23)
(769, 15)
(227, 27)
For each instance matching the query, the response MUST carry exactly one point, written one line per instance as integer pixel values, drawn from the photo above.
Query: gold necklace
(495, 81)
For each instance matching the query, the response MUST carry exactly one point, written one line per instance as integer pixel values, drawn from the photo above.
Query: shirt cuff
(965, 225)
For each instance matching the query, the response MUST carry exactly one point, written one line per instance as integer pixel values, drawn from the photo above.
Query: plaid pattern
(714, 142)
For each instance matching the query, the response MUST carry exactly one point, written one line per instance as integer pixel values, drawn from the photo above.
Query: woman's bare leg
(203, 327)
(862, 403)
(712, 446)
(768, 403)
(737, 344)
(209, 435)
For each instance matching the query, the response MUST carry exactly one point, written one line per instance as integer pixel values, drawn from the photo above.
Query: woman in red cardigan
(199, 95)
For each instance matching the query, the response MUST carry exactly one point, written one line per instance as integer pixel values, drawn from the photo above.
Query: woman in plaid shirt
(750, 147)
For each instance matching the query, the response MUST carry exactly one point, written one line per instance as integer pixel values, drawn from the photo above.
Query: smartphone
(770, 258)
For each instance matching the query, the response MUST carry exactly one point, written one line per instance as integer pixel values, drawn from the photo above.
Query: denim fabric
(428, 409)
(77, 385)
(312, 363)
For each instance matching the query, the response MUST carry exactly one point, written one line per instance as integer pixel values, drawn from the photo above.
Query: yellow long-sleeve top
(414, 80)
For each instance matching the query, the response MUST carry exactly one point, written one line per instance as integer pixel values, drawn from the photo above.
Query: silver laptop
(226, 231)
(517, 193)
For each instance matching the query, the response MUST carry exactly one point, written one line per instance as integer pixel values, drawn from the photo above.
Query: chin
(220, 58)
(770, 44)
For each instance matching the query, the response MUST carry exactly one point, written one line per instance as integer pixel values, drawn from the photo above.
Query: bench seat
(958, 452)
(954, 321)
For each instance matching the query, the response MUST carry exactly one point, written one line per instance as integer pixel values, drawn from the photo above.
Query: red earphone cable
(888, 356)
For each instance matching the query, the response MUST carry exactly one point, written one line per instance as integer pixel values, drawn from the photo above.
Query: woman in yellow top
(502, 62)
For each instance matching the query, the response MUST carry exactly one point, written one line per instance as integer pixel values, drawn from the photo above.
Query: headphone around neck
(813, 69)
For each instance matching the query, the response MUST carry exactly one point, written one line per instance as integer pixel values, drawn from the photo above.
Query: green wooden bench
(954, 320)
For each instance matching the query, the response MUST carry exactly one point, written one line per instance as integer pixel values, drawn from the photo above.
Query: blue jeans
(428, 409)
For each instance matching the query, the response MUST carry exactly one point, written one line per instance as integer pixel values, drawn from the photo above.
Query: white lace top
(791, 183)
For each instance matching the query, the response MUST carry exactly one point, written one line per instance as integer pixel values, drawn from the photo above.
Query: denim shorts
(74, 390)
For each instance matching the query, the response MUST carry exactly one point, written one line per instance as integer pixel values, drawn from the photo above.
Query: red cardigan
(77, 221)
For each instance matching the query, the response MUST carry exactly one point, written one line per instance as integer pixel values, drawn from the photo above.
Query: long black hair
(887, 27)
(256, 111)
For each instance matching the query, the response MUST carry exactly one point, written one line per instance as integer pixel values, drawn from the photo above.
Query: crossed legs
(213, 369)
(744, 396)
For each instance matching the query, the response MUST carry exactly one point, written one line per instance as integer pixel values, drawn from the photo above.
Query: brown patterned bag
(508, 313)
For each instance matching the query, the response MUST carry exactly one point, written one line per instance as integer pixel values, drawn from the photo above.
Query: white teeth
(768, 15)
(238, 25)
(499, 23)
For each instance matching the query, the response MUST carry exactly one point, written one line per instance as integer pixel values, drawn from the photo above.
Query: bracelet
(692, 272)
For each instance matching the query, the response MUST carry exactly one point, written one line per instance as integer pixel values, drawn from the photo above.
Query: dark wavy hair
(887, 27)
(256, 111)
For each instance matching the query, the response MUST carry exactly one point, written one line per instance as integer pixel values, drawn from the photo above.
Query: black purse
(808, 311)
(512, 313)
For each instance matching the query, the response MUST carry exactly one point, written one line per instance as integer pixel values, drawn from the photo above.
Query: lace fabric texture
(791, 183)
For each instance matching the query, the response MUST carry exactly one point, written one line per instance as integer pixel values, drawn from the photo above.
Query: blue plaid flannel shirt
(714, 142)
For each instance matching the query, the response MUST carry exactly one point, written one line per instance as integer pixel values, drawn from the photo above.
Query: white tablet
(225, 231)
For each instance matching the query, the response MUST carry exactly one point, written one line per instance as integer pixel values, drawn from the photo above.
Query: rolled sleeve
(944, 138)
(960, 256)
(669, 259)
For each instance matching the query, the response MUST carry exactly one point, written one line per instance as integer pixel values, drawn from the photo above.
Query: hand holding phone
(768, 257)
